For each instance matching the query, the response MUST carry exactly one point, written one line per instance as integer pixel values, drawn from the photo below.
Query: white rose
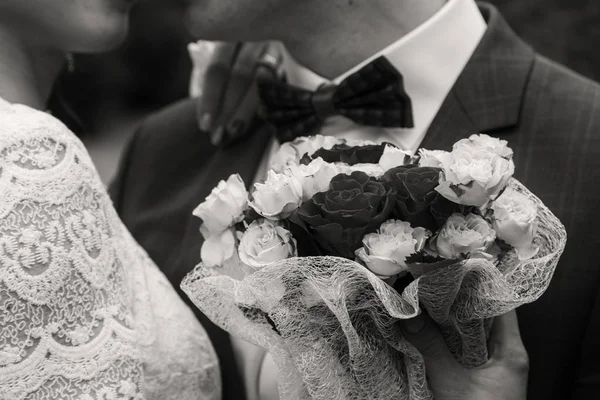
(278, 197)
(433, 158)
(515, 222)
(393, 157)
(285, 156)
(264, 243)
(224, 207)
(470, 235)
(314, 177)
(218, 248)
(473, 176)
(487, 143)
(385, 252)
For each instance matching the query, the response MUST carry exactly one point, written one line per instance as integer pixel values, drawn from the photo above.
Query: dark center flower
(355, 205)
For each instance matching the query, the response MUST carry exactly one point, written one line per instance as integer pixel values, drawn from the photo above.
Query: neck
(336, 35)
(27, 73)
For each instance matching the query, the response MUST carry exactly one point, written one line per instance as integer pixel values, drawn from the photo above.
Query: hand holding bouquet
(343, 239)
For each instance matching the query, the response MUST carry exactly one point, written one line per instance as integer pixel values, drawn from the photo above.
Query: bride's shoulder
(41, 160)
(20, 124)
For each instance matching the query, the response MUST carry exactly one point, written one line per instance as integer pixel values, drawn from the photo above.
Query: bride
(84, 313)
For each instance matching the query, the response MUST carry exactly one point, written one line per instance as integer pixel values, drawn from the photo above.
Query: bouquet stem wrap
(331, 325)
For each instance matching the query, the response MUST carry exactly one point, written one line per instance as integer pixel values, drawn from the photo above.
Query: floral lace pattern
(84, 313)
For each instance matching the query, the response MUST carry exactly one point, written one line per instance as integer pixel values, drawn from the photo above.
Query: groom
(464, 71)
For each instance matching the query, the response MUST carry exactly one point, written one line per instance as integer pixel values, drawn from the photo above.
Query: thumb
(425, 336)
(505, 343)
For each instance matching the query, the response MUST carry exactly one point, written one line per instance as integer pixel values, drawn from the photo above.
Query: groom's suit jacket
(549, 115)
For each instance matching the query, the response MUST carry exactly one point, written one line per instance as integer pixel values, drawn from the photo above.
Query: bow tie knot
(373, 96)
(323, 102)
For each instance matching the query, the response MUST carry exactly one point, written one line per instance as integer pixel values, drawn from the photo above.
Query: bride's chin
(100, 28)
(102, 38)
(115, 38)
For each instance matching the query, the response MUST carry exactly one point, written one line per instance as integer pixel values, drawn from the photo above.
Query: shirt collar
(430, 58)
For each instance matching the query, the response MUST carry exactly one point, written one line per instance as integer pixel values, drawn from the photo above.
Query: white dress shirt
(430, 59)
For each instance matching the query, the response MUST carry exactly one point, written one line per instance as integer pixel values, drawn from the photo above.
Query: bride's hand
(503, 377)
(229, 100)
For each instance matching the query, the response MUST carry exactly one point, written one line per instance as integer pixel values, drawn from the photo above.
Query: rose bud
(384, 253)
(473, 176)
(218, 248)
(515, 222)
(314, 177)
(463, 236)
(264, 243)
(278, 197)
(224, 207)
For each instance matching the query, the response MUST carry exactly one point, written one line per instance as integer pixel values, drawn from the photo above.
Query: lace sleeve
(66, 321)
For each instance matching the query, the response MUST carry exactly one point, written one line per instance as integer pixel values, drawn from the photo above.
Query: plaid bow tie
(373, 96)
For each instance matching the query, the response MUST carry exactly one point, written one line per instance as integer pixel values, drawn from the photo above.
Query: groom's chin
(202, 25)
(212, 21)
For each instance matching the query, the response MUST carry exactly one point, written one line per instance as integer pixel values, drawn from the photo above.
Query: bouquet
(344, 239)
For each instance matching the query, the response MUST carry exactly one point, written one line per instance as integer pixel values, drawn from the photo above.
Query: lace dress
(84, 313)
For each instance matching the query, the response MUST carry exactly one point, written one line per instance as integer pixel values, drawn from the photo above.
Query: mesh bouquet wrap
(329, 318)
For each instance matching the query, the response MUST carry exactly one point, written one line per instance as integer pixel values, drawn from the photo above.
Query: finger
(267, 385)
(249, 359)
(201, 53)
(237, 124)
(214, 84)
(249, 108)
(215, 81)
(243, 114)
(242, 76)
(422, 333)
(272, 64)
(505, 337)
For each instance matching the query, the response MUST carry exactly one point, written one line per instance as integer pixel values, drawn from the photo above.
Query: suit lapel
(242, 157)
(449, 125)
(488, 94)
